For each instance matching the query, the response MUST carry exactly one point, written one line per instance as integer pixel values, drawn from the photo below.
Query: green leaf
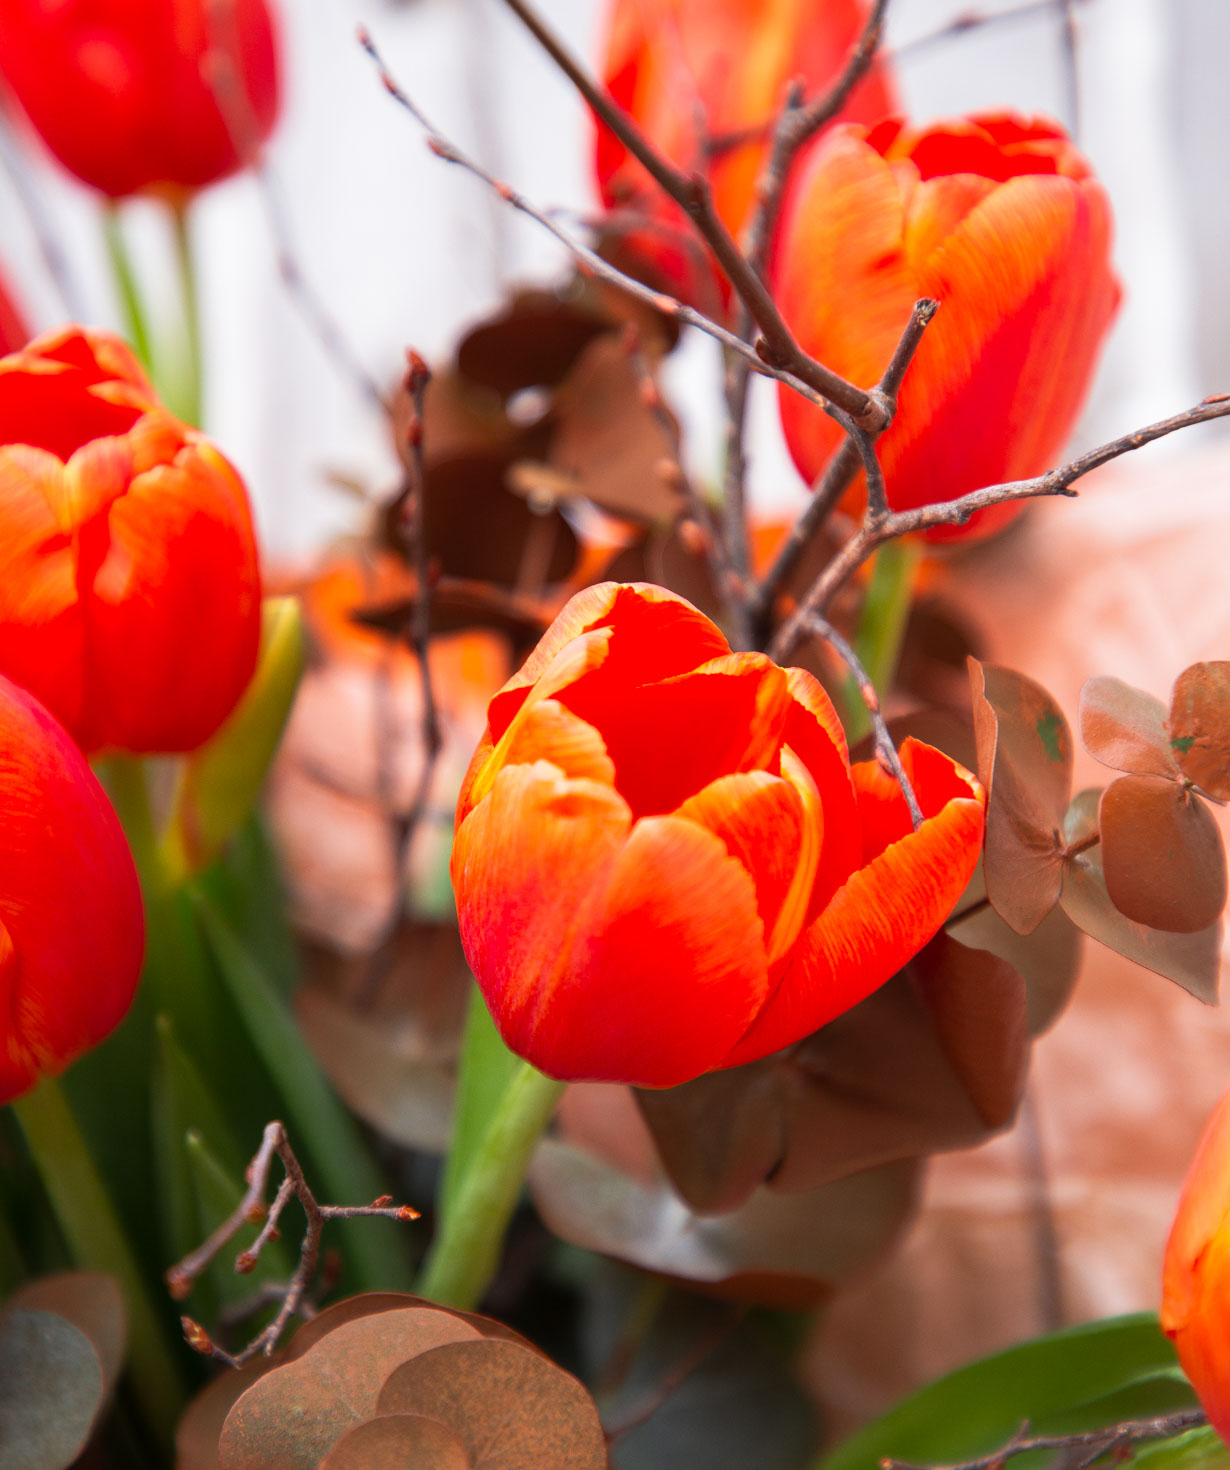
(341, 1170)
(486, 1069)
(1198, 1449)
(1063, 1383)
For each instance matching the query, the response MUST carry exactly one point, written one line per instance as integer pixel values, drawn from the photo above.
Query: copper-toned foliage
(387, 1375)
(1025, 763)
(1139, 867)
(783, 1250)
(933, 1061)
(61, 1349)
(1200, 727)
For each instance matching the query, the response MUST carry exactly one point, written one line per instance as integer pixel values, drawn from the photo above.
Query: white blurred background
(406, 250)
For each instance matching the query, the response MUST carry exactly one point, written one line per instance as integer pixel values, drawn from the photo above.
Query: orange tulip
(1196, 1272)
(71, 928)
(999, 219)
(129, 590)
(144, 95)
(678, 65)
(664, 862)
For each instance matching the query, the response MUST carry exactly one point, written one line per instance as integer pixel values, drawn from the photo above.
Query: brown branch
(776, 344)
(972, 20)
(600, 269)
(886, 749)
(252, 1210)
(732, 588)
(956, 512)
(1096, 1442)
(842, 468)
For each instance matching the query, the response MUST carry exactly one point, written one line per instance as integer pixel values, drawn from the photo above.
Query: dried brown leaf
(720, 1136)
(1125, 728)
(1025, 763)
(1047, 959)
(533, 341)
(511, 1406)
(93, 1302)
(399, 1442)
(1200, 726)
(200, 1425)
(1162, 854)
(293, 1416)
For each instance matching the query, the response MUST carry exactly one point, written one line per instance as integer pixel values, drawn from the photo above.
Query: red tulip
(129, 590)
(71, 928)
(678, 65)
(999, 219)
(664, 862)
(1196, 1272)
(137, 96)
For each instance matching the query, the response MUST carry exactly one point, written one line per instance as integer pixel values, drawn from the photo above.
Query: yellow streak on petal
(793, 912)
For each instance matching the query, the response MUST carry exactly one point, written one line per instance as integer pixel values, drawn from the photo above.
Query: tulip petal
(603, 954)
(814, 733)
(888, 909)
(671, 738)
(656, 635)
(551, 733)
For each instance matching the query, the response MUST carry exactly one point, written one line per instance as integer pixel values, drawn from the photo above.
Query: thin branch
(600, 269)
(776, 345)
(1096, 1442)
(971, 20)
(27, 190)
(252, 1210)
(731, 587)
(842, 468)
(956, 512)
(886, 749)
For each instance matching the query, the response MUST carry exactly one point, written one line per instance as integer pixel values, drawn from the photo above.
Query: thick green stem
(188, 397)
(886, 610)
(466, 1251)
(132, 305)
(97, 1241)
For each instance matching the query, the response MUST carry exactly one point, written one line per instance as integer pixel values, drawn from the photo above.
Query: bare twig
(956, 512)
(731, 587)
(600, 269)
(1096, 1442)
(972, 20)
(252, 1210)
(842, 468)
(776, 344)
(886, 749)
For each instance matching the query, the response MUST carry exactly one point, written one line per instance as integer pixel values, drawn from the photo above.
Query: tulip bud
(1000, 220)
(680, 66)
(135, 98)
(129, 590)
(71, 926)
(664, 862)
(1196, 1272)
(219, 783)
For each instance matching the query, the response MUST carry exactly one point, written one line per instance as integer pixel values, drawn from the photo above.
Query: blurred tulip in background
(696, 76)
(71, 929)
(997, 217)
(664, 862)
(1196, 1273)
(13, 330)
(129, 586)
(138, 96)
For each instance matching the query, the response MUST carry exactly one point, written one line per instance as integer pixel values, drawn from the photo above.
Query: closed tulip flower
(999, 219)
(71, 929)
(671, 63)
(1196, 1273)
(664, 862)
(129, 589)
(134, 96)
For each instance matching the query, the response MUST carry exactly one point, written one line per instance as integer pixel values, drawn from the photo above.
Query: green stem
(465, 1253)
(188, 398)
(124, 778)
(136, 319)
(886, 610)
(98, 1243)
